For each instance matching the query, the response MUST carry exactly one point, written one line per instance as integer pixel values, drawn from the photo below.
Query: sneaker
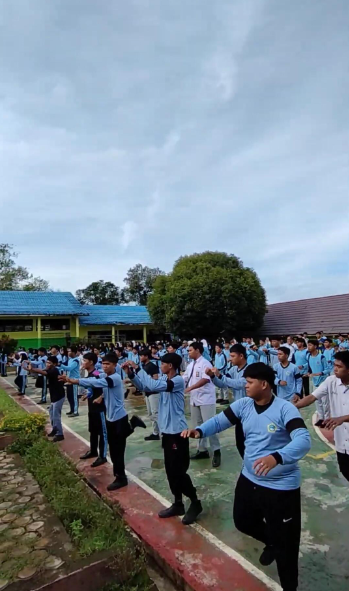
(74, 414)
(219, 400)
(137, 422)
(58, 438)
(216, 460)
(225, 402)
(118, 483)
(88, 455)
(267, 557)
(53, 433)
(99, 462)
(200, 455)
(69, 414)
(175, 510)
(193, 512)
(152, 437)
(42, 402)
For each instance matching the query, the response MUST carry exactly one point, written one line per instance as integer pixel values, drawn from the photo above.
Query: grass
(91, 524)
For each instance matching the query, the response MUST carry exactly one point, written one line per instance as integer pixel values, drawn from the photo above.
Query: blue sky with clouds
(144, 130)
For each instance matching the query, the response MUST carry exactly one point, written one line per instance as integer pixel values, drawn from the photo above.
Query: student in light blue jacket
(288, 379)
(329, 353)
(318, 372)
(267, 504)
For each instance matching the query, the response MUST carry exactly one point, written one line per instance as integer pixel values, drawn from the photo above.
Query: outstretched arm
(145, 383)
(214, 425)
(225, 381)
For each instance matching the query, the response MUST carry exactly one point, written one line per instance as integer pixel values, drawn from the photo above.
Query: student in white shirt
(336, 388)
(202, 401)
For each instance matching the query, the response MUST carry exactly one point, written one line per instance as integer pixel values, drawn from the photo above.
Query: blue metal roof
(40, 303)
(115, 315)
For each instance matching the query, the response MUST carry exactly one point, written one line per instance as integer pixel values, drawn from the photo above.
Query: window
(15, 325)
(53, 324)
(99, 335)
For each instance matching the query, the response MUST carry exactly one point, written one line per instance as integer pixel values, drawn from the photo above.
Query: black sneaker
(173, 511)
(219, 400)
(53, 433)
(216, 460)
(42, 402)
(74, 414)
(99, 462)
(225, 402)
(152, 437)
(193, 512)
(200, 455)
(137, 422)
(118, 483)
(58, 438)
(69, 414)
(88, 455)
(267, 557)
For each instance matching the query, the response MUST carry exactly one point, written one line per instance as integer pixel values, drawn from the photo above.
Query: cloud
(128, 233)
(139, 130)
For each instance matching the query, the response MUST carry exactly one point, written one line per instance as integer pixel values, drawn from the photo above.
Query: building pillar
(117, 335)
(77, 327)
(113, 334)
(144, 334)
(39, 331)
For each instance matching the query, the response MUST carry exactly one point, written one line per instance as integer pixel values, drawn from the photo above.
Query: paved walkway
(325, 497)
(32, 540)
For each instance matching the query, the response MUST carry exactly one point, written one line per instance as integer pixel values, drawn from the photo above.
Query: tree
(208, 294)
(139, 283)
(100, 293)
(14, 277)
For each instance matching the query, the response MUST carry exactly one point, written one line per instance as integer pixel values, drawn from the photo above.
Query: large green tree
(100, 293)
(206, 295)
(139, 283)
(14, 277)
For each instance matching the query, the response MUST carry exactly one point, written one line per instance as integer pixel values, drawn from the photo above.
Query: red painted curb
(190, 559)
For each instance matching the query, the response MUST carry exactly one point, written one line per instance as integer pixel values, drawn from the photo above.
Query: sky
(141, 131)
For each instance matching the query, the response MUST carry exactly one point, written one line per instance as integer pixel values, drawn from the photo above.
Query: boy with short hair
(151, 398)
(73, 370)
(57, 395)
(221, 363)
(55, 351)
(329, 353)
(118, 425)
(318, 372)
(301, 362)
(263, 351)
(288, 379)
(41, 381)
(235, 380)
(335, 388)
(171, 423)
(267, 503)
(96, 413)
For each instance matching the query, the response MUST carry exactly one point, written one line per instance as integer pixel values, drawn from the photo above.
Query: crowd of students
(268, 382)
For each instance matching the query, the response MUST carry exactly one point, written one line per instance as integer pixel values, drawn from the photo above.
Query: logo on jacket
(272, 428)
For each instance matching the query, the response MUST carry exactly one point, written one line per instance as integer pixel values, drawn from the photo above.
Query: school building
(329, 314)
(37, 319)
